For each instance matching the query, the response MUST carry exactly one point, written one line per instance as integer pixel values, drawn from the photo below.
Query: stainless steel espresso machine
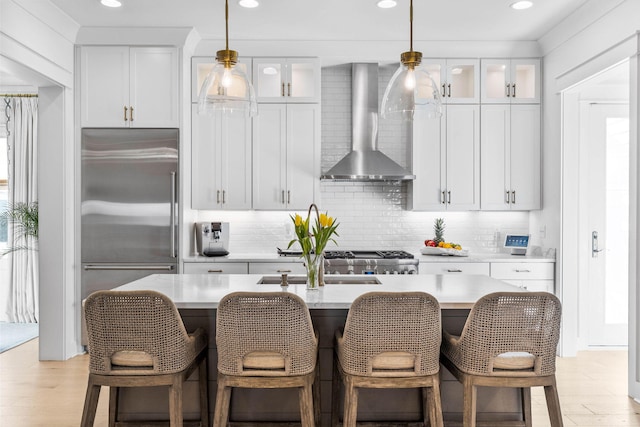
(212, 238)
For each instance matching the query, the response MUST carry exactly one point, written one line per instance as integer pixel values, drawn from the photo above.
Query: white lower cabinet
(454, 268)
(215, 267)
(533, 276)
(276, 268)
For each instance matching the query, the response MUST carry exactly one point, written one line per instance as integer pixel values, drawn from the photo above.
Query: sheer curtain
(22, 127)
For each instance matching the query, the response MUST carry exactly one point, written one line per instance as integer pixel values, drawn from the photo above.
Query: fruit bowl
(429, 250)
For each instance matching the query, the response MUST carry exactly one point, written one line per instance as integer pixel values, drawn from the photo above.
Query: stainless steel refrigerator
(129, 212)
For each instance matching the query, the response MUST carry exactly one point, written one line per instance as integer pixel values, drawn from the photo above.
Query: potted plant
(24, 219)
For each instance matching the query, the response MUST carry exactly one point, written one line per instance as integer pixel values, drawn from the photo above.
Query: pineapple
(438, 228)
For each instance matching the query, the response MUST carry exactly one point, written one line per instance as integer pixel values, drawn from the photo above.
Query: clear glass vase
(315, 271)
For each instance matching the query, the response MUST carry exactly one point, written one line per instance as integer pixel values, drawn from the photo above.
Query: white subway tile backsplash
(371, 214)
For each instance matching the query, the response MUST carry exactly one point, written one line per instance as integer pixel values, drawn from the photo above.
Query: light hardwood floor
(592, 390)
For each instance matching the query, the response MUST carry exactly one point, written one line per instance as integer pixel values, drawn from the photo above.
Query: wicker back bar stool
(266, 340)
(508, 340)
(390, 340)
(137, 339)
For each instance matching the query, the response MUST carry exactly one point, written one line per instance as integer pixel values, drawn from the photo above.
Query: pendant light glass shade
(411, 89)
(227, 88)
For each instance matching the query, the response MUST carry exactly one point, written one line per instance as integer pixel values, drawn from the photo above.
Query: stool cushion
(263, 360)
(132, 358)
(514, 360)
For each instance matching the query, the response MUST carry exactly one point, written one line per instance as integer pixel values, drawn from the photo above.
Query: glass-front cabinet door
(458, 80)
(515, 81)
(286, 79)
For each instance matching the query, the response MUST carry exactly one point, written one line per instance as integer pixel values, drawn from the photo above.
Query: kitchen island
(197, 297)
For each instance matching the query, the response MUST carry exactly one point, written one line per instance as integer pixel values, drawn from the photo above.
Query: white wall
(600, 34)
(36, 39)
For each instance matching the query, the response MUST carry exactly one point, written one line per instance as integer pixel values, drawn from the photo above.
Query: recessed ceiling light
(111, 3)
(249, 3)
(520, 5)
(386, 4)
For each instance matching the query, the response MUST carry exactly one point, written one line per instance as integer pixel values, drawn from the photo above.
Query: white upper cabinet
(458, 80)
(286, 156)
(124, 86)
(290, 80)
(510, 81)
(221, 161)
(510, 159)
(202, 65)
(446, 161)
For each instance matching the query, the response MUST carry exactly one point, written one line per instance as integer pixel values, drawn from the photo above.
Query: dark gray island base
(328, 312)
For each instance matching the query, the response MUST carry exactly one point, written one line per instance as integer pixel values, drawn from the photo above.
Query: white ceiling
(450, 20)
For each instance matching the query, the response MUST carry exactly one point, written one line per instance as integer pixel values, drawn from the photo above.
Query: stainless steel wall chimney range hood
(365, 162)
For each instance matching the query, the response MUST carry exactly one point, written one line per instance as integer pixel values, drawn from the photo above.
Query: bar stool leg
(526, 406)
(305, 396)
(553, 405)
(350, 403)
(175, 402)
(90, 404)
(435, 404)
(335, 393)
(469, 411)
(114, 398)
(223, 399)
(204, 399)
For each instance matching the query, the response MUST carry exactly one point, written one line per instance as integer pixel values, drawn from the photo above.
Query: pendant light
(227, 88)
(411, 89)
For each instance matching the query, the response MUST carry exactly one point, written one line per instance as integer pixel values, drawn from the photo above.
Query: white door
(429, 140)
(236, 161)
(104, 86)
(154, 87)
(270, 157)
(463, 157)
(303, 130)
(608, 219)
(524, 157)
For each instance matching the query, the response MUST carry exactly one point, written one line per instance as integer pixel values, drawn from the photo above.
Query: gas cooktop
(367, 254)
(361, 254)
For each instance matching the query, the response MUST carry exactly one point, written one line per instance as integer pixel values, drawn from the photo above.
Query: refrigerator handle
(128, 267)
(173, 214)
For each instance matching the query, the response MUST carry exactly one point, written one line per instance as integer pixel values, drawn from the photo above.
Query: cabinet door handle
(522, 271)
(507, 200)
(283, 271)
(288, 196)
(449, 197)
(218, 196)
(508, 90)
(125, 113)
(444, 90)
(282, 197)
(454, 270)
(282, 88)
(214, 271)
(130, 113)
(513, 86)
(288, 89)
(513, 197)
(224, 196)
(449, 86)
(443, 199)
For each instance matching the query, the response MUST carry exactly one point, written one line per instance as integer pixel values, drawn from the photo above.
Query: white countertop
(473, 257)
(204, 291)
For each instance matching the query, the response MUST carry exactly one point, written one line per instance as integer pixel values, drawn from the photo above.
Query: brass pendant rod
(226, 23)
(411, 26)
